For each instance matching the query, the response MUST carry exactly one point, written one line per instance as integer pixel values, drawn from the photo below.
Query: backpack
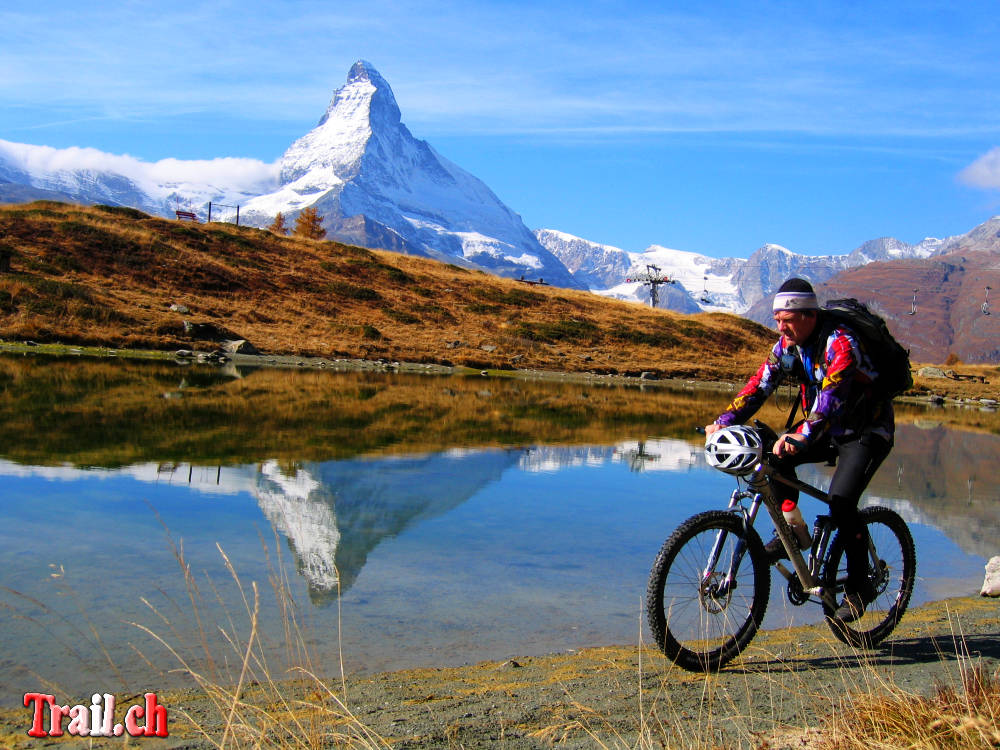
(890, 359)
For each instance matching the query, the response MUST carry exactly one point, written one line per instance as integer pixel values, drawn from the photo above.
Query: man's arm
(753, 394)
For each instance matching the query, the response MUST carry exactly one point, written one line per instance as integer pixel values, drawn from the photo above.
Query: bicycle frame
(762, 494)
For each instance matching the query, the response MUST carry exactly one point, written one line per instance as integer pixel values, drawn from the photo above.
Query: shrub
(402, 316)
(129, 213)
(646, 337)
(567, 329)
(351, 291)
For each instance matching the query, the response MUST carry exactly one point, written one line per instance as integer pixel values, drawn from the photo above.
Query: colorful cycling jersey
(835, 378)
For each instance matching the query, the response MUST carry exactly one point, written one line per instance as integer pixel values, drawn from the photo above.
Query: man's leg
(858, 462)
(815, 454)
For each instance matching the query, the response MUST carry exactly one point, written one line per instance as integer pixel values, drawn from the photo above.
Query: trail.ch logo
(148, 719)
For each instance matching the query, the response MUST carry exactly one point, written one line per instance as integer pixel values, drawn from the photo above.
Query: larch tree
(309, 224)
(278, 226)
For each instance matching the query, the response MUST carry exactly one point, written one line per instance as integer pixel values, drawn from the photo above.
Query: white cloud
(984, 172)
(227, 174)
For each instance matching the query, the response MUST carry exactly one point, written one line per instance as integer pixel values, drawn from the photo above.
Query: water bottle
(793, 516)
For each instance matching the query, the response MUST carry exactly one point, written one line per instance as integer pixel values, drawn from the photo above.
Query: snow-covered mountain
(86, 175)
(377, 185)
(700, 283)
(373, 183)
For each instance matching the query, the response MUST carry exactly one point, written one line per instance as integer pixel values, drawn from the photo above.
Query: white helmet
(734, 450)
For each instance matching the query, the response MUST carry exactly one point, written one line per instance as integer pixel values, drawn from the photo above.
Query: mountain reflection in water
(335, 513)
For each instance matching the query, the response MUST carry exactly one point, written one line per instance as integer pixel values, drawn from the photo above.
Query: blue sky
(709, 127)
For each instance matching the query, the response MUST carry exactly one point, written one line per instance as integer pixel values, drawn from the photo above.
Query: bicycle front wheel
(708, 591)
(892, 569)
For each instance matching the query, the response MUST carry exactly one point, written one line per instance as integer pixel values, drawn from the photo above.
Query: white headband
(795, 301)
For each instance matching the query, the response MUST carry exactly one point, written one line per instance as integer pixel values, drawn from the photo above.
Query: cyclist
(845, 418)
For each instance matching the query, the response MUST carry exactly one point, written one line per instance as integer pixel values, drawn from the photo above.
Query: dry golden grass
(108, 276)
(963, 717)
(254, 698)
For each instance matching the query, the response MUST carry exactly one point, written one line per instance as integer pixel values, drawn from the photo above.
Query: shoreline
(948, 396)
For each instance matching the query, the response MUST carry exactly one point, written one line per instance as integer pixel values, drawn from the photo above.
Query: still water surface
(451, 546)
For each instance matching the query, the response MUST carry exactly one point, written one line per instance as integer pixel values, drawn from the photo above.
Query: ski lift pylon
(653, 279)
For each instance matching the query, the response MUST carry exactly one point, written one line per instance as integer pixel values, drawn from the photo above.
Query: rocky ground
(776, 696)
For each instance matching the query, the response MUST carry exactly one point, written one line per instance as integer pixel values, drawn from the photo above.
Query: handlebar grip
(700, 430)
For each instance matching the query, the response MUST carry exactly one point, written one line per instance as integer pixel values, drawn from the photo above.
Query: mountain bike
(710, 584)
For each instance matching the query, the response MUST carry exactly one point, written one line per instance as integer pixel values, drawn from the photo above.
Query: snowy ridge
(91, 176)
(704, 284)
(373, 183)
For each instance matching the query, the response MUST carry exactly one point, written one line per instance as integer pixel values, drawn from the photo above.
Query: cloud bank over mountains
(232, 176)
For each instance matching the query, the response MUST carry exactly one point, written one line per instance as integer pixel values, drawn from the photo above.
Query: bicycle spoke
(697, 618)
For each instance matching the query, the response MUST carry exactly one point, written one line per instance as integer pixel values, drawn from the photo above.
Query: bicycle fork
(806, 572)
(728, 583)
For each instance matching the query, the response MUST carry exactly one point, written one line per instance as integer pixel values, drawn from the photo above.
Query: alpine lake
(383, 520)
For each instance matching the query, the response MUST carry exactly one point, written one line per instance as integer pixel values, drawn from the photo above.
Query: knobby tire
(695, 628)
(893, 578)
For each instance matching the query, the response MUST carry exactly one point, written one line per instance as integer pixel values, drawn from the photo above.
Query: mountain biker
(845, 419)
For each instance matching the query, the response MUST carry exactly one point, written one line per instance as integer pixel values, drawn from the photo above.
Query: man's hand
(788, 444)
(710, 428)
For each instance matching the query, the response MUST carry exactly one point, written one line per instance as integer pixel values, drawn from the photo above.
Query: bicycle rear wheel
(699, 617)
(892, 565)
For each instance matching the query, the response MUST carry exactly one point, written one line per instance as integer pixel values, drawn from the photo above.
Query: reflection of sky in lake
(442, 559)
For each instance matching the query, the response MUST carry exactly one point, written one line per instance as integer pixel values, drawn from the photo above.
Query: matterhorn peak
(363, 70)
(359, 108)
(365, 86)
(376, 185)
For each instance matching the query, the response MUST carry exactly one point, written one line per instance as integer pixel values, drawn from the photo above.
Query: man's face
(796, 327)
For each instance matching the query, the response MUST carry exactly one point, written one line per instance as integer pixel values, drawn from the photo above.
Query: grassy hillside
(108, 276)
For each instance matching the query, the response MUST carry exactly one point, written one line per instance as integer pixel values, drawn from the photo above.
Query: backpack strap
(791, 415)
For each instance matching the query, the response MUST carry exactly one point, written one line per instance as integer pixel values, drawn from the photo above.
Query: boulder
(208, 332)
(991, 586)
(931, 372)
(239, 346)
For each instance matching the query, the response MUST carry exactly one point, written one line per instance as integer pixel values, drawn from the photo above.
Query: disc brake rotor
(713, 599)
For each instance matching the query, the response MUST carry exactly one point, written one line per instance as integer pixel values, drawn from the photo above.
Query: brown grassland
(108, 276)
